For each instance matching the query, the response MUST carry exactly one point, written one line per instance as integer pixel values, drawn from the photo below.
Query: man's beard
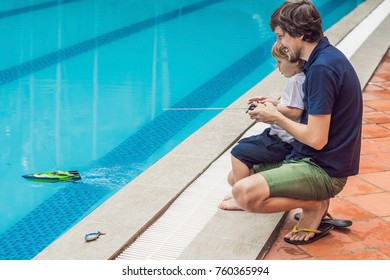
(294, 57)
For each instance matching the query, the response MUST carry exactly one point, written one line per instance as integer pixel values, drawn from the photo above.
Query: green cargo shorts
(300, 179)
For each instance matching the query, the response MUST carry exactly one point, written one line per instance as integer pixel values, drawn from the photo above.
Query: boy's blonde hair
(280, 53)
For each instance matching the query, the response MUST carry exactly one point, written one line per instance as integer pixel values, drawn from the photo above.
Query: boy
(273, 144)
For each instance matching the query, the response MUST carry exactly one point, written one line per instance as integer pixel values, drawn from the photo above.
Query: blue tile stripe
(29, 67)
(74, 201)
(34, 8)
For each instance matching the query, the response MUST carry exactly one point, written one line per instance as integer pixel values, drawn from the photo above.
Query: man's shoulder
(329, 55)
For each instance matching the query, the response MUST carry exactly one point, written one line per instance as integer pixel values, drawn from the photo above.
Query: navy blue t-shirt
(332, 87)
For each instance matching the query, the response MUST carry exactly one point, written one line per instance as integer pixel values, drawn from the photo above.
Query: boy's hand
(262, 100)
(257, 99)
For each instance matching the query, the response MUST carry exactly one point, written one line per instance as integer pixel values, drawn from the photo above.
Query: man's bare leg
(252, 194)
(310, 218)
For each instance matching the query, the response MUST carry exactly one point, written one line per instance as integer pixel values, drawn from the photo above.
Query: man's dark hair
(298, 18)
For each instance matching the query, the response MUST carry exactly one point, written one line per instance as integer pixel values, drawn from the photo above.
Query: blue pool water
(84, 84)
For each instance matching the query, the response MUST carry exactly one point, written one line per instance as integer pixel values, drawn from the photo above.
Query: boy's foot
(229, 204)
(227, 197)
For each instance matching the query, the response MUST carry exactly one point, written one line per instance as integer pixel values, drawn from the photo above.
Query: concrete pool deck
(203, 160)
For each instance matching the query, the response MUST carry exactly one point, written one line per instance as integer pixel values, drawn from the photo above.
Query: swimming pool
(90, 95)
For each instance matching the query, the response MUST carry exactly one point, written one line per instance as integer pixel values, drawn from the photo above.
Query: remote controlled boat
(54, 176)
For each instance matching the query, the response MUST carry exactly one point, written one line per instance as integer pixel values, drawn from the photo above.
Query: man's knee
(239, 193)
(249, 192)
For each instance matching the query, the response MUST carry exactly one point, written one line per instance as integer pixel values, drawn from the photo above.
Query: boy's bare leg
(230, 178)
(239, 171)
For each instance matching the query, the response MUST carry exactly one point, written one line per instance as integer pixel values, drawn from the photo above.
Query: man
(327, 149)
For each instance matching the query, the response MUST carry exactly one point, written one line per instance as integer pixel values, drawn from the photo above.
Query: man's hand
(266, 112)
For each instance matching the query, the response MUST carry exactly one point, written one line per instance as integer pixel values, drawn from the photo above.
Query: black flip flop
(338, 223)
(320, 232)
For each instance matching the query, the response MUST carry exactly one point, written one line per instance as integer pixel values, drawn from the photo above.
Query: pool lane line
(33, 8)
(205, 109)
(29, 67)
(16, 72)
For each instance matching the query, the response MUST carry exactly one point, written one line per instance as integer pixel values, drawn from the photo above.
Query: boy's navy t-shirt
(332, 87)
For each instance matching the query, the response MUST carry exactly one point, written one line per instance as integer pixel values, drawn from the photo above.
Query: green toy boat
(54, 176)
